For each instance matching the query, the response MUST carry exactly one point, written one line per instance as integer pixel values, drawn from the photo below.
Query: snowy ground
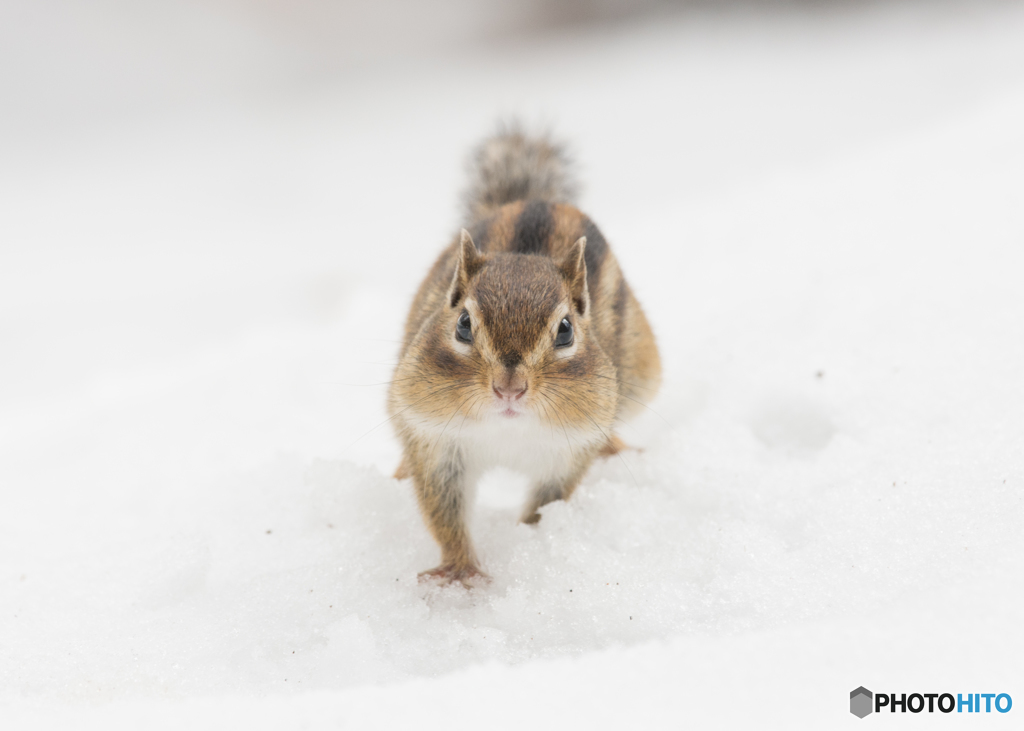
(821, 211)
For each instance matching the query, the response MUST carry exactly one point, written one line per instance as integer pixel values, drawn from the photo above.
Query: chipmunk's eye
(463, 328)
(564, 337)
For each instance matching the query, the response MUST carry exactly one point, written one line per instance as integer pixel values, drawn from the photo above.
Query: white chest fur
(525, 444)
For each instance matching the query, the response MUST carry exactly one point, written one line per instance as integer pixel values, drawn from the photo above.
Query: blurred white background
(213, 216)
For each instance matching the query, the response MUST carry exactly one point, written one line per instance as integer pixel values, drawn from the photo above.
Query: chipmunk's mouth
(509, 406)
(505, 409)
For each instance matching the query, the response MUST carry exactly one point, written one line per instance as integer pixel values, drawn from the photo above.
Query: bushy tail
(512, 166)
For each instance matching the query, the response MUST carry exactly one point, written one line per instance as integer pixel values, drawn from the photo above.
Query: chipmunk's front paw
(468, 576)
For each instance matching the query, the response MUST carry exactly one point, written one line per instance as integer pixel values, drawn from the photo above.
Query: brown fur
(612, 447)
(537, 261)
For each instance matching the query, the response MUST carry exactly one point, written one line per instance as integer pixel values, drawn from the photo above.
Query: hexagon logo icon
(860, 702)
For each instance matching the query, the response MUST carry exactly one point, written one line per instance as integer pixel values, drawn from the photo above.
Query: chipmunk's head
(515, 333)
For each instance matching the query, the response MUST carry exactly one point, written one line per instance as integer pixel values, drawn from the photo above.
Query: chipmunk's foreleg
(444, 501)
(550, 490)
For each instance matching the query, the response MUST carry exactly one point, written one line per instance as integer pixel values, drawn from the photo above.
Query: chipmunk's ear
(469, 260)
(574, 269)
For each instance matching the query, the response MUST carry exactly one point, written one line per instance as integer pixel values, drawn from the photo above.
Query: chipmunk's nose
(509, 387)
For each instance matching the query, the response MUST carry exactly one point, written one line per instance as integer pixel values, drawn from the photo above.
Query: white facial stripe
(563, 353)
(561, 312)
(461, 347)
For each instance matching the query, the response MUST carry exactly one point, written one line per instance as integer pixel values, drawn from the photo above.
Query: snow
(821, 212)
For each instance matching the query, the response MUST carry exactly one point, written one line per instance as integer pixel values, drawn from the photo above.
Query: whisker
(561, 423)
(450, 421)
(443, 389)
(546, 370)
(609, 390)
(572, 401)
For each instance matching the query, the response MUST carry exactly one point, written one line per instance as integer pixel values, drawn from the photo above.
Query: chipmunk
(523, 348)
